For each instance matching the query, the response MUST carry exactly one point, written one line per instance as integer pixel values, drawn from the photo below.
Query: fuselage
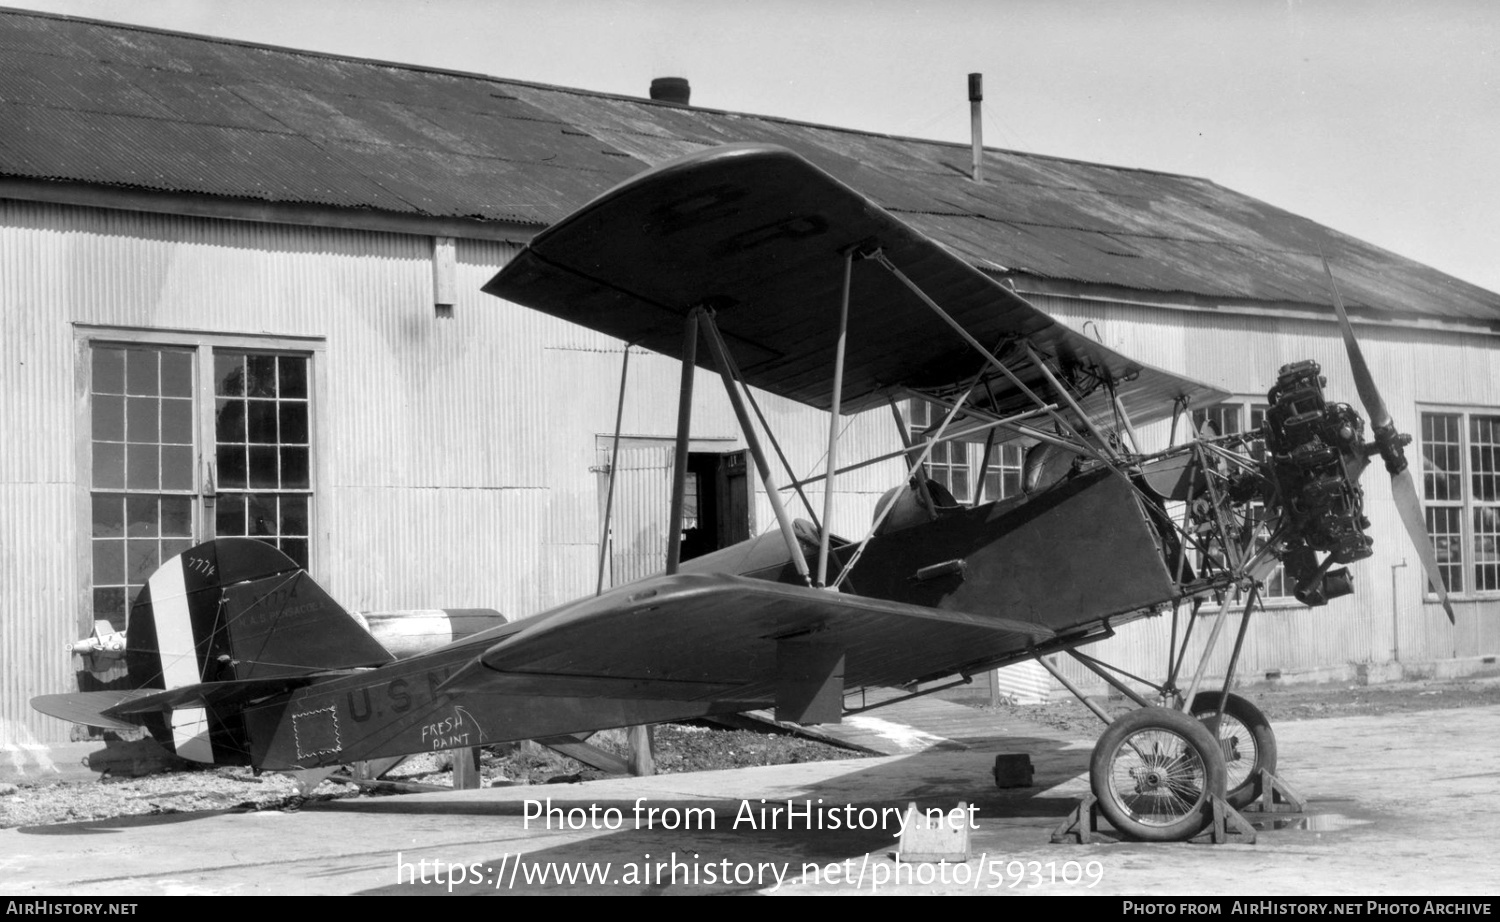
(1065, 559)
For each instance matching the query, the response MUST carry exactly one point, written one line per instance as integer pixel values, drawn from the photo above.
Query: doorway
(717, 507)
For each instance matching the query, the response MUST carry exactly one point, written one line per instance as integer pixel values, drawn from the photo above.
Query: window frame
(1468, 502)
(203, 344)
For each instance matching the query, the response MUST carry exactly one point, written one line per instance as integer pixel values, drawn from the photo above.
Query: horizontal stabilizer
(211, 694)
(88, 708)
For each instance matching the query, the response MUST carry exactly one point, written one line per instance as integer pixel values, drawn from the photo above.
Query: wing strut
(911, 453)
(1135, 440)
(1082, 444)
(1012, 423)
(614, 463)
(989, 448)
(1213, 637)
(916, 466)
(765, 425)
(737, 400)
(684, 419)
(833, 424)
(1067, 396)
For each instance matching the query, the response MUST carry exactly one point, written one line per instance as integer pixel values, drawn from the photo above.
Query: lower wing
(705, 637)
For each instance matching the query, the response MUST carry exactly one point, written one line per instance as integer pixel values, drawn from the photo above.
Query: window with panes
(262, 450)
(190, 441)
(1461, 496)
(956, 464)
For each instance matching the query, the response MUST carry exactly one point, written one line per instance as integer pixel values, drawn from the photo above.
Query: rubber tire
(1248, 790)
(1170, 726)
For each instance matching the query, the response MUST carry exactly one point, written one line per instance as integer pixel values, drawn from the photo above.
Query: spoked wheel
(1245, 739)
(1153, 771)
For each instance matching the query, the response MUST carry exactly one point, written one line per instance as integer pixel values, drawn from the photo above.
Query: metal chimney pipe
(976, 123)
(671, 89)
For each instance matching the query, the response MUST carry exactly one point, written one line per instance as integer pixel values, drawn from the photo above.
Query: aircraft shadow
(119, 823)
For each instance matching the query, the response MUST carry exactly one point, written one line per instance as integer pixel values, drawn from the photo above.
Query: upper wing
(695, 637)
(758, 234)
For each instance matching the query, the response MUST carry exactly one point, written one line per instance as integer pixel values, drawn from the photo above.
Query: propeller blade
(1403, 487)
(1364, 382)
(1404, 491)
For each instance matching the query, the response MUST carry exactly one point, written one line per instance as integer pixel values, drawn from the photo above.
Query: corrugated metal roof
(192, 114)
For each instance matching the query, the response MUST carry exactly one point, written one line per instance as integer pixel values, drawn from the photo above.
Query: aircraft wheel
(1153, 771)
(1245, 739)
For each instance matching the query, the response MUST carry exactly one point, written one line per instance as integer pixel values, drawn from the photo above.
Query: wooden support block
(1276, 796)
(928, 837)
(1013, 770)
(374, 769)
(577, 747)
(381, 784)
(642, 754)
(1082, 823)
(466, 775)
(1227, 822)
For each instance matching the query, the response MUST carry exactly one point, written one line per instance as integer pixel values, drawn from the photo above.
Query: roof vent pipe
(976, 127)
(674, 90)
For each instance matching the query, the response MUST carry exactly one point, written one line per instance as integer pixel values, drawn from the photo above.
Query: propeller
(1390, 444)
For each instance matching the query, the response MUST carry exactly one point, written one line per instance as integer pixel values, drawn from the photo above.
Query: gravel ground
(679, 748)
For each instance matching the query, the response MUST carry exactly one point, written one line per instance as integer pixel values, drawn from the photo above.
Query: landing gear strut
(1245, 740)
(1163, 774)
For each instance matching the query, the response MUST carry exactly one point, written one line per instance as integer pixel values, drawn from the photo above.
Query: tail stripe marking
(174, 626)
(190, 734)
(179, 658)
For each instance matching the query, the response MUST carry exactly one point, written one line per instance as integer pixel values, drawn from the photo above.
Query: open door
(638, 523)
(736, 521)
(717, 510)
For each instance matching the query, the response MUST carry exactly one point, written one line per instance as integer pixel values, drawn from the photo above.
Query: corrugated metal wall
(38, 575)
(639, 528)
(803, 435)
(457, 454)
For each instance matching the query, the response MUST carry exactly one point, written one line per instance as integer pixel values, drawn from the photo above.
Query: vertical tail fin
(226, 610)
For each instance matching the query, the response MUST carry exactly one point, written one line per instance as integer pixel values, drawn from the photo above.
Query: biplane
(754, 263)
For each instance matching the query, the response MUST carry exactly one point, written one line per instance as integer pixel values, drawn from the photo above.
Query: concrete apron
(1399, 804)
